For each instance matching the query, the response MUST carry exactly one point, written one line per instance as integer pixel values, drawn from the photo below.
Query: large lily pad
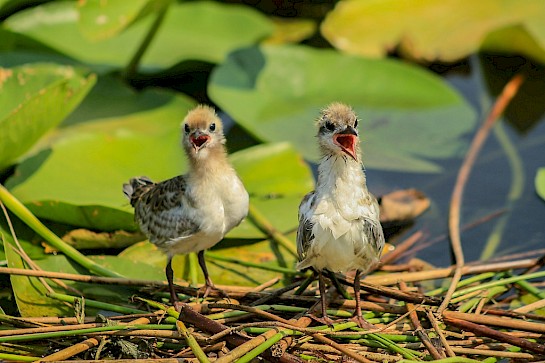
(194, 30)
(34, 99)
(409, 116)
(428, 29)
(540, 182)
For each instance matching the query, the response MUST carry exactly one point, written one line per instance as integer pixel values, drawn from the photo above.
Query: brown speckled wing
(376, 236)
(163, 210)
(304, 231)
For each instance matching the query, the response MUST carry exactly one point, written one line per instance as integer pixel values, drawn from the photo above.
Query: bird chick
(194, 211)
(339, 228)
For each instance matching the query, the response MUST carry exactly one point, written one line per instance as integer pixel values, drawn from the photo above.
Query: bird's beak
(198, 139)
(347, 140)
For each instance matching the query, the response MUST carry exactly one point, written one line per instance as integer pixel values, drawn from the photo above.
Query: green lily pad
(429, 30)
(409, 116)
(104, 19)
(34, 99)
(30, 294)
(201, 30)
(540, 182)
(77, 179)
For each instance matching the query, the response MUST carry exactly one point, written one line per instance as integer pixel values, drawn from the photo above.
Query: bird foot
(358, 319)
(325, 320)
(208, 288)
(178, 306)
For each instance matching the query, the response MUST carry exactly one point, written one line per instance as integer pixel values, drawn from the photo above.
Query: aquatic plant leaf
(409, 116)
(35, 98)
(201, 30)
(30, 294)
(104, 19)
(430, 30)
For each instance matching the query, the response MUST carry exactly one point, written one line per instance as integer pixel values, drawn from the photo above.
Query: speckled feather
(159, 206)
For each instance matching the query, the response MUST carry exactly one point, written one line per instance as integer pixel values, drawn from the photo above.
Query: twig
(531, 307)
(200, 321)
(390, 279)
(495, 334)
(503, 100)
(497, 321)
(418, 327)
(439, 332)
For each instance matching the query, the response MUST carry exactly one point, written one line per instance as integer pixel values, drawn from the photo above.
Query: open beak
(198, 140)
(347, 140)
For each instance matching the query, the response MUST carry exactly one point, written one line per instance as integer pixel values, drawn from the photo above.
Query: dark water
(491, 181)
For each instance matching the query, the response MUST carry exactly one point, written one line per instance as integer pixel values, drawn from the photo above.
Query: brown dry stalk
(440, 273)
(482, 330)
(494, 353)
(302, 322)
(439, 332)
(424, 338)
(497, 321)
(531, 307)
(503, 100)
(200, 321)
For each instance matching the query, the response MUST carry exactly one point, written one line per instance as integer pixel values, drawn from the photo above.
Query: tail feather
(134, 184)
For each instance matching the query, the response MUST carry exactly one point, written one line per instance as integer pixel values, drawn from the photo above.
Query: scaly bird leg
(208, 284)
(358, 317)
(325, 318)
(170, 278)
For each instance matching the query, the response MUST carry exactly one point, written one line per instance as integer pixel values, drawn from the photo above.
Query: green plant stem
(16, 207)
(97, 304)
(131, 68)
(463, 283)
(525, 285)
(515, 191)
(490, 293)
(506, 281)
(16, 357)
(190, 340)
(263, 224)
(283, 270)
(262, 347)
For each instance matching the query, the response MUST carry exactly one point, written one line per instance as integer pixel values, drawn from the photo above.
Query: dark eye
(186, 128)
(212, 127)
(356, 123)
(329, 126)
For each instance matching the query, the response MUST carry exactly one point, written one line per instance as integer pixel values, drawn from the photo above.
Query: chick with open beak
(339, 228)
(194, 211)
